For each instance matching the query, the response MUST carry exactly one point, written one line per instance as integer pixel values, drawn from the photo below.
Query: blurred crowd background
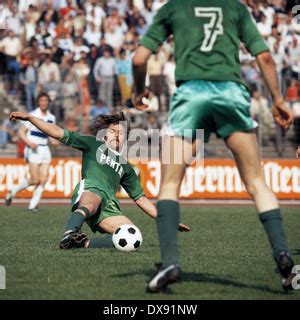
(79, 52)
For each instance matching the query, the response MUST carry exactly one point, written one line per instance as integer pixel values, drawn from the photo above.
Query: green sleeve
(77, 140)
(158, 31)
(249, 33)
(131, 184)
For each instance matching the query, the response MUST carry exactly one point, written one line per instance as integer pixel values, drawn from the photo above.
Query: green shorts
(110, 205)
(222, 107)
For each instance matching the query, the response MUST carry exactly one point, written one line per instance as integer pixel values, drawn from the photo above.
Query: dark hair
(43, 94)
(103, 122)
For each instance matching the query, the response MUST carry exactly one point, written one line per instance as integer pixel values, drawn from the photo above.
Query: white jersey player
(36, 153)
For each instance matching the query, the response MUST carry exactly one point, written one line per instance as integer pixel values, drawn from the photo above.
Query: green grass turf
(225, 256)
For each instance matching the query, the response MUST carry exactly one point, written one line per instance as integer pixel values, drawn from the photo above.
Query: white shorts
(38, 156)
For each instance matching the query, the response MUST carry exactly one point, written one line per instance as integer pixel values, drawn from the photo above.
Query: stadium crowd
(79, 52)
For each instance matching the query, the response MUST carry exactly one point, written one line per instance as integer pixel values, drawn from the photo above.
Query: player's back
(207, 36)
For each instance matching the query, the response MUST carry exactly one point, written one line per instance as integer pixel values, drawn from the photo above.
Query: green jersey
(207, 36)
(107, 168)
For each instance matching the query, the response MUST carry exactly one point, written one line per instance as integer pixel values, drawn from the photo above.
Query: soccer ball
(127, 238)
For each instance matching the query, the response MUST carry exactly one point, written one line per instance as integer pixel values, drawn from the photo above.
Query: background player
(37, 153)
(104, 169)
(211, 95)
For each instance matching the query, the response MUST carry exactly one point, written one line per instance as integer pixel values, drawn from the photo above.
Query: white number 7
(211, 29)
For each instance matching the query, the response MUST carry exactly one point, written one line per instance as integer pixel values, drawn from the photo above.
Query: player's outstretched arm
(281, 113)
(51, 129)
(147, 206)
(298, 153)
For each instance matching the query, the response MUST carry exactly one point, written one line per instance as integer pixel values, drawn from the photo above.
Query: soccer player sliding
(104, 169)
(212, 95)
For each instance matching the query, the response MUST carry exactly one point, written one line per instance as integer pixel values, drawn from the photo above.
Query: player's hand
(282, 114)
(298, 153)
(183, 227)
(141, 102)
(33, 146)
(18, 115)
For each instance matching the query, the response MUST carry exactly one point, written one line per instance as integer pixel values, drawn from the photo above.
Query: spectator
(115, 21)
(294, 58)
(69, 10)
(148, 12)
(49, 13)
(70, 95)
(132, 16)
(53, 88)
(280, 61)
(104, 46)
(47, 68)
(257, 13)
(40, 37)
(251, 75)
(264, 27)
(91, 60)
(94, 13)
(262, 114)
(155, 68)
(293, 97)
(99, 109)
(14, 22)
(92, 35)
(124, 75)
(120, 5)
(104, 72)
(113, 37)
(268, 11)
(141, 27)
(11, 46)
(56, 52)
(29, 78)
(65, 41)
(79, 47)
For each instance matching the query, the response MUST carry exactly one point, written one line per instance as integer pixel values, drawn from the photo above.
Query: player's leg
(245, 149)
(108, 225)
(88, 205)
(43, 171)
(174, 149)
(33, 180)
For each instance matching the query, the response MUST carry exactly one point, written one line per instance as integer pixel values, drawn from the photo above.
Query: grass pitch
(225, 256)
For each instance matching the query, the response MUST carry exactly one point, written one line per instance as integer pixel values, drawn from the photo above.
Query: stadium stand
(80, 53)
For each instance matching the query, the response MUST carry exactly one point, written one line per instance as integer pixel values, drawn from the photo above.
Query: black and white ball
(127, 238)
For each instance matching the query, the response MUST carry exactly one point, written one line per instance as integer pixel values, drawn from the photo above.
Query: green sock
(167, 225)
(75, 221)
(102, 242)
(272, 222)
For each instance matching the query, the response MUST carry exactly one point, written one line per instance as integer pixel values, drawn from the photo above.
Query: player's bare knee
(256, 185)
(171, 185)
(87, 210)
(43, 181)
(34, 181)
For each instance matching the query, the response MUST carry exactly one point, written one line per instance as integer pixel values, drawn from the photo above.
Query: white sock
(36, 197)
(18, 188)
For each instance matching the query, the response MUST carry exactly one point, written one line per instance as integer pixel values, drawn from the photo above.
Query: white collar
(39, 112)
